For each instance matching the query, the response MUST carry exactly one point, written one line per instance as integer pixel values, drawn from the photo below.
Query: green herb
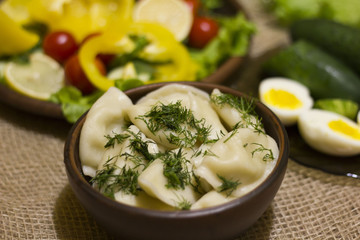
(112, 179)
(246, 107)
(184, 205)
(177, 119)
(176, 170)
(73, 103)
(117, 138)
(268, 156)
(232, 40)
(227, 185)
(140, 43)
(141, 147)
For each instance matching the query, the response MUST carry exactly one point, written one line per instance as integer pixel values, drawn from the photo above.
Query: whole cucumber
(324, 75)
(341, 41)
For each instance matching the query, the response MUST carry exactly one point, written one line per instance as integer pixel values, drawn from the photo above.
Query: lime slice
(174, 15)
(38, 79)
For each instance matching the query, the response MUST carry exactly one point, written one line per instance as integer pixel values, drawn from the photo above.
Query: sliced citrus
(40, 78)
(175, 15)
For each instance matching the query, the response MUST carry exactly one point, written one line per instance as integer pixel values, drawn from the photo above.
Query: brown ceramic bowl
(221, 222)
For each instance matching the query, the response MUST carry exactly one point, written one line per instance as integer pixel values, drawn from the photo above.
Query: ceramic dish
(48, 109)
(220, 222)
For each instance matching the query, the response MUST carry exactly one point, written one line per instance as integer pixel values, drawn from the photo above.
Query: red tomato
(75, 75)
(202, 31)
(60, 45)
(194, 5)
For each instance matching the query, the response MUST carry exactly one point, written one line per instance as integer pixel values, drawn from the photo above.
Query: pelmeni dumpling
(106, 116)
(231, 113)
(173, 91)
(123, 153)
(178, 107)
(142, 200)
(154, 183)
(240, 156)
(210, 199)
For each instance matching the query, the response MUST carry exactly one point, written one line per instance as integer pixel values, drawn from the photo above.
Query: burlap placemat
(36, 201)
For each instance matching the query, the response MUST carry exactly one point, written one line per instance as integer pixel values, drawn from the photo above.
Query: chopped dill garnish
(176, 170)
(268, 156)
(227, 185)
(117, 138)
(142, 147)
(184, 129)
(184, 205)
(244, 106)
(112, 179)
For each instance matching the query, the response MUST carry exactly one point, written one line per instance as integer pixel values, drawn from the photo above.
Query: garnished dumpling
(171, 150)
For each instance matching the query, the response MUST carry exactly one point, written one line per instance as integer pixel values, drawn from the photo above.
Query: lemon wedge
(174, 15)
(38, 79)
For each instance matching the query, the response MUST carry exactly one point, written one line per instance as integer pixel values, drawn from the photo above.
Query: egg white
(287, 116)
(314, 129)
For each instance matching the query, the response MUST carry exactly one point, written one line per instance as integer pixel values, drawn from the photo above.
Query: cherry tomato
(59, 45)
(202, 31)
(75, 75)
(194, 5)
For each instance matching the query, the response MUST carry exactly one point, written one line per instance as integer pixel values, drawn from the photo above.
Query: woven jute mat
(36, 201)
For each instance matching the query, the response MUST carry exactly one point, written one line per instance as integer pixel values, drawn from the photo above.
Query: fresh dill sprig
(268, 156)
(142, 147)
(117, 138)
(176, 170)
(184, 205)
(244, 106)
(112, 179)
(227, 185)
(185, 129)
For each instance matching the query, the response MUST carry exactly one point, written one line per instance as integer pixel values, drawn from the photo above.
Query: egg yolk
(342, 127)
(282, 99)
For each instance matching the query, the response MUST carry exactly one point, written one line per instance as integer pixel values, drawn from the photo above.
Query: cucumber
(341, 41)
(324, 75)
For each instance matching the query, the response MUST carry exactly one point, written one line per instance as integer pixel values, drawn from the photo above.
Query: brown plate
(48, 109)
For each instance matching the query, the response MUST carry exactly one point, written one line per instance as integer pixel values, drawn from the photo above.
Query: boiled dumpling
(210, 199)
(240, 157)
(173, 91)
(232, 115)
(105, 117)
(154, 183)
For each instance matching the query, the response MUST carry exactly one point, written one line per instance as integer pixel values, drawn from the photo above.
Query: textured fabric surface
(36, 201)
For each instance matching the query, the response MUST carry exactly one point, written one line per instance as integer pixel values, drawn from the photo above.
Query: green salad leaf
(232, 40)
(73, 103)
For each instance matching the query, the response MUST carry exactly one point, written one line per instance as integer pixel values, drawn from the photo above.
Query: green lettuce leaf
(232, 40)
(73, 103)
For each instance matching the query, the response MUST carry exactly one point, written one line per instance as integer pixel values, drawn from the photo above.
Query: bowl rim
(71, 148)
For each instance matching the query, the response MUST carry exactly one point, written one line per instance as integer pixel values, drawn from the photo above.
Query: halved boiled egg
(286, 98)
(330, 132)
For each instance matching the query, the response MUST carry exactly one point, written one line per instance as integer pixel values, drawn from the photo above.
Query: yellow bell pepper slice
(163, 47)
(80, 17)
(14, 39)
